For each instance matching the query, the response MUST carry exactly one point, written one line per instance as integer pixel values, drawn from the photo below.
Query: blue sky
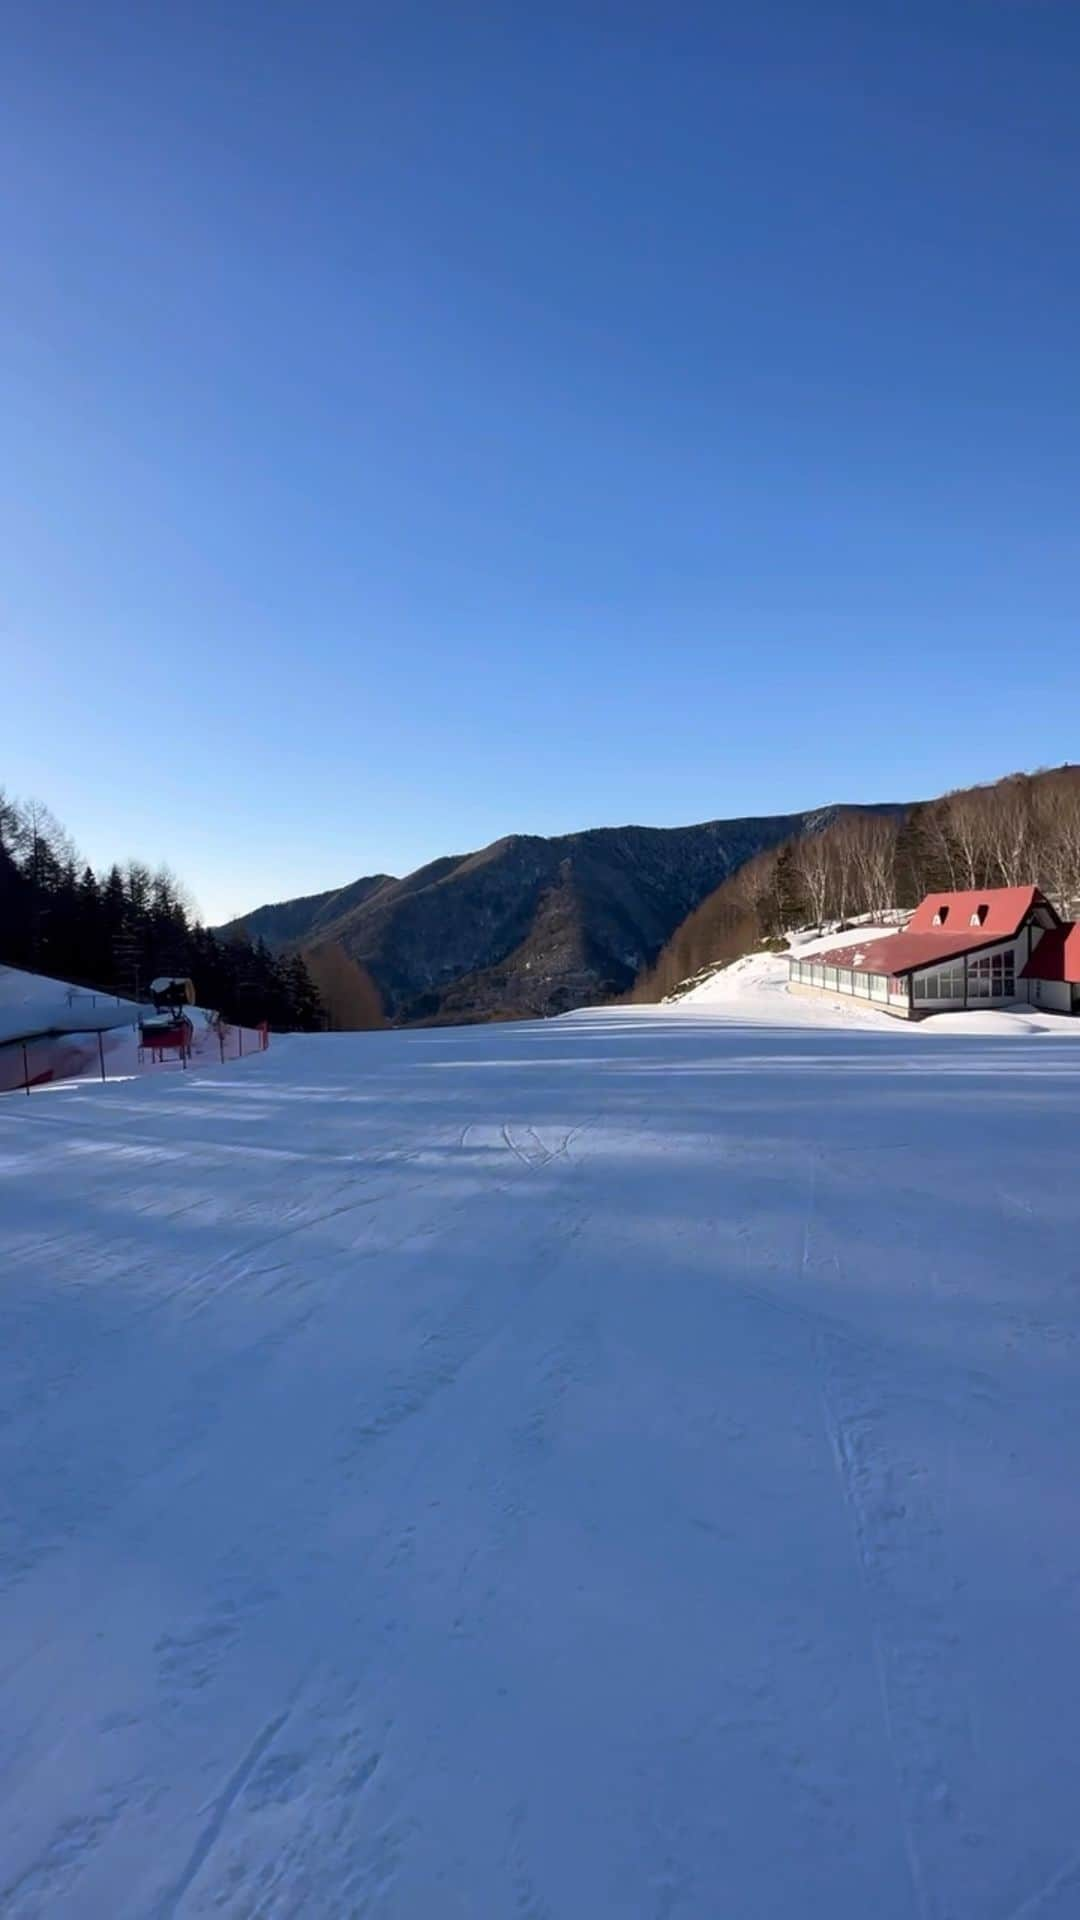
(426, 422)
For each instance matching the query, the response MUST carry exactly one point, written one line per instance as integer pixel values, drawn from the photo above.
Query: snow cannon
(172, 992)
(168, 1029)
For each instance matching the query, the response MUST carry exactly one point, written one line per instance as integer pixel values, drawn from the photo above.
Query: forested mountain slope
(525, 926)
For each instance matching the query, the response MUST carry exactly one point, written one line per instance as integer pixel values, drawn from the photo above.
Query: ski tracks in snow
(530, 1145)
(219, 1813)
(850, 1474)
(897, 1526)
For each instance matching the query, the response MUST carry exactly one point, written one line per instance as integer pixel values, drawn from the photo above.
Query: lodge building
(988, 948)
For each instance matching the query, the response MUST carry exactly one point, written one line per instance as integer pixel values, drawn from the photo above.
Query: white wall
(1054, 994)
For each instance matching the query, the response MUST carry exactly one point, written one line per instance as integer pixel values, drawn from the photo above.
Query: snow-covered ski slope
(623, 1466)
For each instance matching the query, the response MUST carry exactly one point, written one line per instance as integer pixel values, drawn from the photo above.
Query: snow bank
(33, 1003)
(757, 988)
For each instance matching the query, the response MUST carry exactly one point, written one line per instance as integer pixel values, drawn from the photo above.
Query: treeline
(119, 930)
(1024, 829)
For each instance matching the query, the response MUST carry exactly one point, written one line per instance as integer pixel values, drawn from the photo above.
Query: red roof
(942, 927)
(1057, 956)
(999, 912)
(902, 952)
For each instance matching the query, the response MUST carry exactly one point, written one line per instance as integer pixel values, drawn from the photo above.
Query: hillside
(285, 923)
(526, 926)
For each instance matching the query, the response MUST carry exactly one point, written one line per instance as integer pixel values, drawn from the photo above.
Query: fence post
(221, 1043)
(26, 1070)
(101, 1051)
(240, 1038)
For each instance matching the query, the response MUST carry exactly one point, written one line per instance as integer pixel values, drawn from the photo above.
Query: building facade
(958, 951)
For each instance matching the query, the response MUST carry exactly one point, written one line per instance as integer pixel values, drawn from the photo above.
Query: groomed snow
(621, 1466)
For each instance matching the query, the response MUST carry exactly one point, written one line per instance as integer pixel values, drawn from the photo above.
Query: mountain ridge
(529, 925)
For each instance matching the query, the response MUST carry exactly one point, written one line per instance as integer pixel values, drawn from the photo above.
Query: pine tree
(308, 1015)
(119, 931)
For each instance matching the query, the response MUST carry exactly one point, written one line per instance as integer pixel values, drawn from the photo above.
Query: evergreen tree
(120, 931)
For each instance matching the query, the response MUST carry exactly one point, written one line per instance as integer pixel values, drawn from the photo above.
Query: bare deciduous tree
(1010, 852)
(814, 865)
(873, 849)
(968, 828)
(939, 849)
(1055, 831)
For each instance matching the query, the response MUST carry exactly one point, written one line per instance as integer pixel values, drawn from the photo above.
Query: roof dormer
(940, 916)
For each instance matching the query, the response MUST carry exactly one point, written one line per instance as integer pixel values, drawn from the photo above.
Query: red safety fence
(118, 1053)
(232, 1043)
